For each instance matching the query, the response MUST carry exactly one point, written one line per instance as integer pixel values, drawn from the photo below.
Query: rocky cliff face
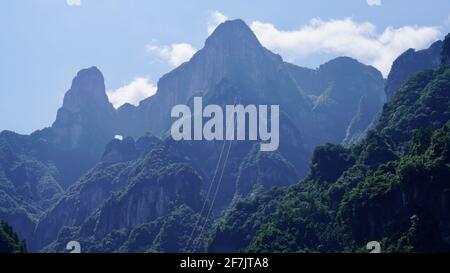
(152, 197)
(233, 67)
(121, 196)
(86, 117)
(120, 151)
(411, 62)
(110, 176)
(78, 203)
(233, 54)
(84, 125)
(445, 51)
(346, 97)
(37, 168)
(132, 183)
(392, 187)
(28, 186)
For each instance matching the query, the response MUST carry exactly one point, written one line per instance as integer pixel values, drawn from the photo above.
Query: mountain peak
(236, 25)
(86, 112)
(88, 88)
(91, 75)
(93, 70)
(233, 32)
(231, 51)
(410, 62)
(348, 67)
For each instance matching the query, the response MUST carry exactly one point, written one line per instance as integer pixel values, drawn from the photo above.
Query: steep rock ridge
(121, 196)
(411, 62)
(392, 187)
(445, 51)
(166, 234)
(292, 148)
(83, 126)
(346, 97)
(147, 200)
(79, 202)
(338, 106)
(36, 168)
(134, 183)
(405, 66)
(232, 65)
(87, 116)
(232, 68)
(28, 186)
(111, 175)
(76, 140)
(261, 171)
(422, 102)
(231, 53)
(119, 151)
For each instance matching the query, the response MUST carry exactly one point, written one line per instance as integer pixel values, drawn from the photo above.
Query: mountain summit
(334, 102)
(411, 62)
(87, 90)
(85, 123)
(86, 114)
(233, 37)
(232, 55)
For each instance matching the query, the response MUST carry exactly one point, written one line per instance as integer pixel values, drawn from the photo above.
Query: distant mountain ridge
(392, 187)
(93, 184)
(345, 96)
(231, 55)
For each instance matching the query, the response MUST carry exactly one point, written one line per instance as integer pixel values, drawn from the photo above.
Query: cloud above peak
(216, 18)
(177, 53)
(347, 37)
(174, 54)
(73, 2)
(318, 37)
(373, 2)
(140, 88)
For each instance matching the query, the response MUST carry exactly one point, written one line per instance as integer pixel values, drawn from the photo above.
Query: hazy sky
(43, 43)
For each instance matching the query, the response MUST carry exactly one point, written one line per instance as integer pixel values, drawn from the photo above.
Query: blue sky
(43, 43)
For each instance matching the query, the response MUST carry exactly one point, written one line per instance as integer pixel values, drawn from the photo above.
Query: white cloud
(345, 37)
(216, 18)
(174, 54)
(178, 53)
(133, 93)
(374, 2)
(73, 2)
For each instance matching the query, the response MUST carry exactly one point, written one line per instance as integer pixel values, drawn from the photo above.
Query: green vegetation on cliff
(392, 187)
(9, 241)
